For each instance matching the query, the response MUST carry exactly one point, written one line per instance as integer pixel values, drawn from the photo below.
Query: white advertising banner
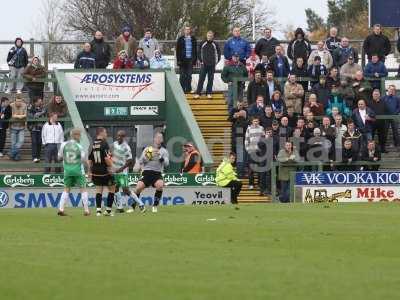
(348, 193)
(116, 86)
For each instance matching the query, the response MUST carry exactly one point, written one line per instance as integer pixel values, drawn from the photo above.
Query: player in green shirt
(73, 156)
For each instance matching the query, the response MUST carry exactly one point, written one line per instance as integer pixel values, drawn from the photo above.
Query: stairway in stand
(212, 118)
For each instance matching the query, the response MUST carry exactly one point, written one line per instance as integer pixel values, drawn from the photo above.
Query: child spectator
(122, 61)
(158, 61)
(140, 60)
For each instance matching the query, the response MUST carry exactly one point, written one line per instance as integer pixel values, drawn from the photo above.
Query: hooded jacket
(17, 56)
(159, 61)
(299, 48)
(33, 72)
(102, 52)
(129, 45)
(225, 173)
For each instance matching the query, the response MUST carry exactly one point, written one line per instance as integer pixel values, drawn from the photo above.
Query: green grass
(256, 252)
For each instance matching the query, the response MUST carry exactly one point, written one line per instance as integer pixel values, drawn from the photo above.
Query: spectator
(266, 155)
(287, 157)
(158, 61)
(209, 56)
(186, 58)
(101, 50)
(36, 111)
(294, 93)
(375, 69)
(361, 87)
(339, 127)
(285, 131)
(193, 163)
(257, 108)
(363, 118)
(379, 126)
(371, 154)
(392, 107)
(346, 91)
(299, 142)
(126, 42)
(251, 63)
(34, 73)
(322, 91)
(86, 59)
(338, 102)
(327, 130)
(316, 108)
(5, 115)
(349, 69)
(234, 69)
(52, 137)
(341, 54)
(140, 61)
(239, 118)
(227, 177)
(265, 46)
(17, 60)
(299, 46)
(122, 61)
(301, 71)
(148, 43)
(278, 104)
(267, 117)
(292, 116)
(349, 156)
(316, 70)
(280, 63)
(324, 54)
(237, 45)
(257, 87)
(17, 127)
(272, 86)
(320, 148)
(58, 106)
(332, 42)
(353, 135)
(377, 44)
(333, 80)
(253, 135)
(263, 66)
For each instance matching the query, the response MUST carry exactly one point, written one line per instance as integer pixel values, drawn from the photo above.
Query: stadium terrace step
(212, 118)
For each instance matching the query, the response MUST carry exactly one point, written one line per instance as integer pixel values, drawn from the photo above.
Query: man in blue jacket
(375, 69)
(237, 44)
(86, 59)
(392, 104)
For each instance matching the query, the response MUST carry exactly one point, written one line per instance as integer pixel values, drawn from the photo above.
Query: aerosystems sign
(50, 197)
(57, 180)
(314, 187)
(103, 95)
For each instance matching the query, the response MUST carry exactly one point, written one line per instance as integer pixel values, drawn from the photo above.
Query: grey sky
(287, 11)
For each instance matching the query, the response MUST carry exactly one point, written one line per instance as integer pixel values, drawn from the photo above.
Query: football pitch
(273, 251)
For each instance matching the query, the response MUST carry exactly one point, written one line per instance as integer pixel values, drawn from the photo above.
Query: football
(148, 153)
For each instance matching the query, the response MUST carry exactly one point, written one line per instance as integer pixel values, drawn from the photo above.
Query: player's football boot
(142, 209)
(154, 209)
(86, 213)
(61, 213)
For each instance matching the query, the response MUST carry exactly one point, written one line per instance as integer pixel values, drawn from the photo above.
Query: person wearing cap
(186, 58)
(377, 43)
(341, 54)
(231, 70)
(349, 69)
(122, 61)
(149, 43)
(316, 70)
(17, 60)
(126, 42)
(101, 50)
(321, 51)
(34, 73)
(237, 44)
(193, 163)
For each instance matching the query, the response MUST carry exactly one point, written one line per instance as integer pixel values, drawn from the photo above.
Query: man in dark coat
(266, 45)
(299, 46)
(256, 87)
(186, 58)
(377, 43)
(101, 50)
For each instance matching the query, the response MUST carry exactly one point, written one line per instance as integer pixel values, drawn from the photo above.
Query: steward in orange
(193, 163)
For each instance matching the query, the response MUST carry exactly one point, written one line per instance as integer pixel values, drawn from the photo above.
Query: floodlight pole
(254, 19)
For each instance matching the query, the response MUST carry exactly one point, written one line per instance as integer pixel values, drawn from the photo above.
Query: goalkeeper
(152, 161)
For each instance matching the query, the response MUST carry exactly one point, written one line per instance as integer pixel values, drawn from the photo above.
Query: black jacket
(254, 89)
(263, 68)
(181, 48)
(332, 43)
(274, 65)
(277, 87)
(85, 60)
(266, 47)
(365, 157)
(377, 44)
(301, 72)
(17, 57)
(7, 116)
(102, 52)
(299, 48)
(209, 53)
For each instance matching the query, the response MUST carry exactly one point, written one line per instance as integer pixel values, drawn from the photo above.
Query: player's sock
(110, 201)
(136, 199)
(157, 198)
(64, 198)
(124, 199)
(85, 201)
(119, 200)
(98, 201)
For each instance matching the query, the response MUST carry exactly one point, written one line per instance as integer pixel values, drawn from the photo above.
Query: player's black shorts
(106, 180)
(149, 178)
